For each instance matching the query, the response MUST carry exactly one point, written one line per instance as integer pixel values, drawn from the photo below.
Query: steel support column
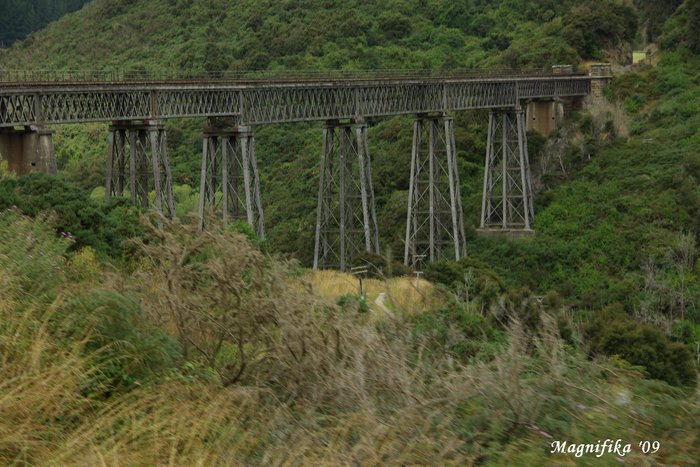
(435, 219)
(346, 220)
(229, 181)
(137, 161)
(507, 202)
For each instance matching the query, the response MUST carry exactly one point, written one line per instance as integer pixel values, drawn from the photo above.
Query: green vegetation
(77, 216)
(174, 346)
(18, 18)
(229, 357)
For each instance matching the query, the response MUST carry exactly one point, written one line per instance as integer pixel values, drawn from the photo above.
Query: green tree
(694, 26)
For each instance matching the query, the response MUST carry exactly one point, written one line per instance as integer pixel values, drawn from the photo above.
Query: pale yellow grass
(401, 293)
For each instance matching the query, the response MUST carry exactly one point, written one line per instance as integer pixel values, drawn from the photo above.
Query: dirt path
(380, 304)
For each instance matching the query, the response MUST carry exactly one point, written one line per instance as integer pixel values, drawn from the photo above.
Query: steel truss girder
(346, 217)
(257, 103)
(229, 179)
(137, 162)
(435, 219)
(507, 201)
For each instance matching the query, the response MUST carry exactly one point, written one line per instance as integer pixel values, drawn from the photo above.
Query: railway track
(41, 78)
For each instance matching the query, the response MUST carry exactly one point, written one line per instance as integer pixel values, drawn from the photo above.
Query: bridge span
(137, 161)
(266, 102)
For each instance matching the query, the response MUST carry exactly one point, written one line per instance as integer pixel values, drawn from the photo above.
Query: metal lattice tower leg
(346, 220)
(230, 182)
(137, 160)
(507, 201)
(435, 219)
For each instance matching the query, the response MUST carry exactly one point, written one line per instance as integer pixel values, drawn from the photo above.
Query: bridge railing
(121, 76)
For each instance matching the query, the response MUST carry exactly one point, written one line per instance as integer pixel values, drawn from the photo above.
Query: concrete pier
(29, 150)
(544, 116)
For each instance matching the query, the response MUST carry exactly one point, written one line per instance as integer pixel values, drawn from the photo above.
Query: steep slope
(219, 35)
(18, 18)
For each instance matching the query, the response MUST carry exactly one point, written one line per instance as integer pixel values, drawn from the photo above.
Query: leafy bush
(129, 349)
(457, 331)
(354, 303)
(613, 332)
(469, 277)
(591, 26)
(380, 266)
(694, 26)
(31, 253)
(86, 221)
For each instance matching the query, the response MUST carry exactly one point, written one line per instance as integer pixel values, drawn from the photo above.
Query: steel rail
(120, 76)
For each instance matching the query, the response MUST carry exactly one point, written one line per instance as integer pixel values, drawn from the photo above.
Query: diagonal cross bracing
(137, 165)
(434, 220)
(229, 180)
(346, 222)
(507, 201)
(271, 102)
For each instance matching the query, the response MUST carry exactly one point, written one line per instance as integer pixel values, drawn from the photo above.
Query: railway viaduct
(137, 160)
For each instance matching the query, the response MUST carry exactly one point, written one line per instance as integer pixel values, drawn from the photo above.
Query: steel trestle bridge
(270, 101)
(135, 106)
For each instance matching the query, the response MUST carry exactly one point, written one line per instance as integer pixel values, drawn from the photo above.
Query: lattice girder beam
(271, 102)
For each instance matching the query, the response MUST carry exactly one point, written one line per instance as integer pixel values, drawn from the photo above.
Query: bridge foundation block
(544, 117)
(346, 219)
(601, 76)
(507, 203)
(229, 180)
(137, 164)
(435, 219)
(28, 151)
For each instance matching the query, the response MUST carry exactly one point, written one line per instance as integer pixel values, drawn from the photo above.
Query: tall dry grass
(334, 389)
(405, 294)
(40, 381)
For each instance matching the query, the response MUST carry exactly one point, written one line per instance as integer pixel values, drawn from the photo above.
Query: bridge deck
(270, 100)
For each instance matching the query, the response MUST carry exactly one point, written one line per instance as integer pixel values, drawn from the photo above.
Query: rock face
(28, 151)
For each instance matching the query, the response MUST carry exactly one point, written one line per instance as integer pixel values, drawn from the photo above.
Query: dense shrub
(381, 266)
(694, 26)
(129, 349)
(653, 14)
(613, 332)
(457, 331)
(468, 277)
(31, 253)
(22, 17)
(594, 25)
(76, 215)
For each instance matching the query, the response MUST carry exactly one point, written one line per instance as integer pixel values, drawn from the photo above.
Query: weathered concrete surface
(28, 151)
(544, 116)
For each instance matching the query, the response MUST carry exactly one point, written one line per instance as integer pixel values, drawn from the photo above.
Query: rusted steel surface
(28, 98)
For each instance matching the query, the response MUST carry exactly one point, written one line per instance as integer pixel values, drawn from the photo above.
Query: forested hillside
(167, 345)
(19, 18)
(218, 35)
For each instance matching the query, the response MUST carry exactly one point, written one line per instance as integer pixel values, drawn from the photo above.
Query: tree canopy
(19, 18)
